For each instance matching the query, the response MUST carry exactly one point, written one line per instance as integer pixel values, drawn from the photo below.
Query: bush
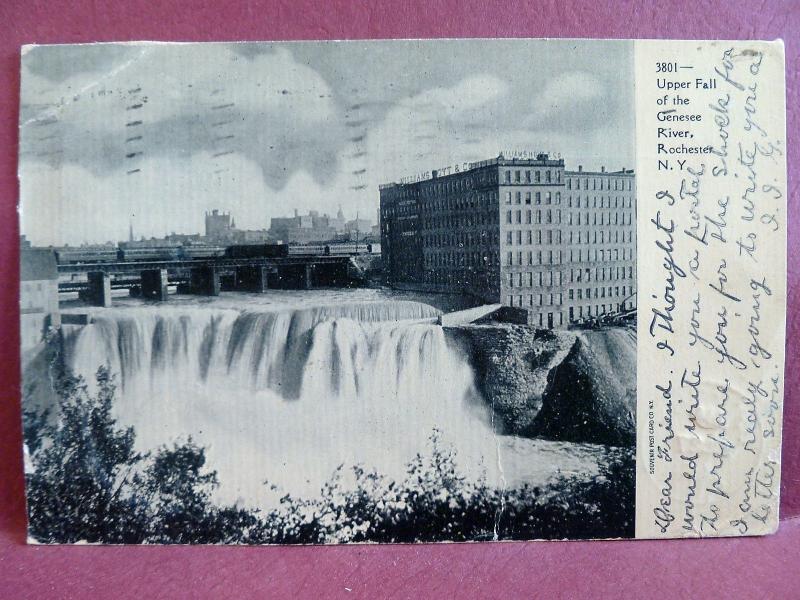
(435, 503)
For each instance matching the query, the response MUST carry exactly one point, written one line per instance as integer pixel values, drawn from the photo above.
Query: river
(285, 386)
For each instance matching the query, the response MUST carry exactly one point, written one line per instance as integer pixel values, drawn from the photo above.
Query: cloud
(469, 93)
(295, 125)
(179, 100)
(573, 97)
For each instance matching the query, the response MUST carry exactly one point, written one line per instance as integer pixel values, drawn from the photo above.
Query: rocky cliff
(560, 385)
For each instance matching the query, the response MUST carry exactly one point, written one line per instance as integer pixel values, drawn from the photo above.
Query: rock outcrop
(591, 395)
(559, 385)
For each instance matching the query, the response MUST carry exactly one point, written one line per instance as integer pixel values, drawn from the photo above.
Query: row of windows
(461, 259)
(619, 218)
(537, 197)
(443, 240)
(605, 237)
(600, 183)
(539, 257)
(599, 292)
(549, 216)
(466, 220)
(486, 200)
(527, 237)
(463, 202)
(557, 298)
(529, 278)
(600, 274)
(554, 257)
(605, 202)
(537, 176)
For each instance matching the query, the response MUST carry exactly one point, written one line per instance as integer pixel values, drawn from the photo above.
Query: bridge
(150, 279)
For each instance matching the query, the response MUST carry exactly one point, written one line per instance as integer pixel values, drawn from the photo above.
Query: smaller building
(303, 229)
(219, 226)
(38, 297)
(358, 229)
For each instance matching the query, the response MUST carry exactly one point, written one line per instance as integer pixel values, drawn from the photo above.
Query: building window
(527, 196)
(508, 197)
(517, 178)
(508, 216)
(518, 197)
(527, 176)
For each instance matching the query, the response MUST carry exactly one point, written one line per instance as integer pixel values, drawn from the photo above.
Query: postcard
(389, 291)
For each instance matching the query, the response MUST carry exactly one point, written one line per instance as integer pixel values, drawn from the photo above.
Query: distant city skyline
(158, 134)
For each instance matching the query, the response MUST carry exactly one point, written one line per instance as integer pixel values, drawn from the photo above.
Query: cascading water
(287, 395)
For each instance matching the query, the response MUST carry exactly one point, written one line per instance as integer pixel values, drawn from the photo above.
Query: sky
(152, 135)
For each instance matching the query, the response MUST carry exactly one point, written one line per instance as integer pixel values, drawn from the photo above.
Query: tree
(178, 496)
(82, 465)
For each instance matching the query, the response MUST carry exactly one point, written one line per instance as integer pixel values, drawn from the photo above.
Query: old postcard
(390, 291)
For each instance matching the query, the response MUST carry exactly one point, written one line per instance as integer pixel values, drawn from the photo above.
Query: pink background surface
(753, 567)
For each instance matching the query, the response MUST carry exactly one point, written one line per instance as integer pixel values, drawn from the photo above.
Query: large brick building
(523, 232)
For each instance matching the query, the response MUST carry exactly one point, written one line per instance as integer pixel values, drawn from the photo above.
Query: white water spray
(287, 395)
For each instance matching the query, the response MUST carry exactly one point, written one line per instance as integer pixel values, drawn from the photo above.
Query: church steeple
(130, 232)
(340, 214)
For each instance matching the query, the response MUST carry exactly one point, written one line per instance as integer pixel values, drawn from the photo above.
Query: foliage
(89, 484)
(435, 503)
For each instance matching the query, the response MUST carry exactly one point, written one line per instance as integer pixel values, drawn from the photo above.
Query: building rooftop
(526, 160)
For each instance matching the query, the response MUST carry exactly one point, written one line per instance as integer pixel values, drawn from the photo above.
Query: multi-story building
(523, 232)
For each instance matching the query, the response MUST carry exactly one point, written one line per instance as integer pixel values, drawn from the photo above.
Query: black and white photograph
(328, 292)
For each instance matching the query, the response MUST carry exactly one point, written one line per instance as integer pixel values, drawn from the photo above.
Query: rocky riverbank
(575, 386)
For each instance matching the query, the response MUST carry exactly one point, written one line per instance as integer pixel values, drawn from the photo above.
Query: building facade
(38, 295)
(304, 229)
(219, 226)
(522, 232)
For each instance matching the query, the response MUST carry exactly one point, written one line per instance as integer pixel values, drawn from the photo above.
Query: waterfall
(285, 395)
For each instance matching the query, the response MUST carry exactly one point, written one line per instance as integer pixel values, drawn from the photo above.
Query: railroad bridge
(150, 279)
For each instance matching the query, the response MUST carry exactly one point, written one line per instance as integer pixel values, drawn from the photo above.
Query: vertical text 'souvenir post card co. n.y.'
(342, 292)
